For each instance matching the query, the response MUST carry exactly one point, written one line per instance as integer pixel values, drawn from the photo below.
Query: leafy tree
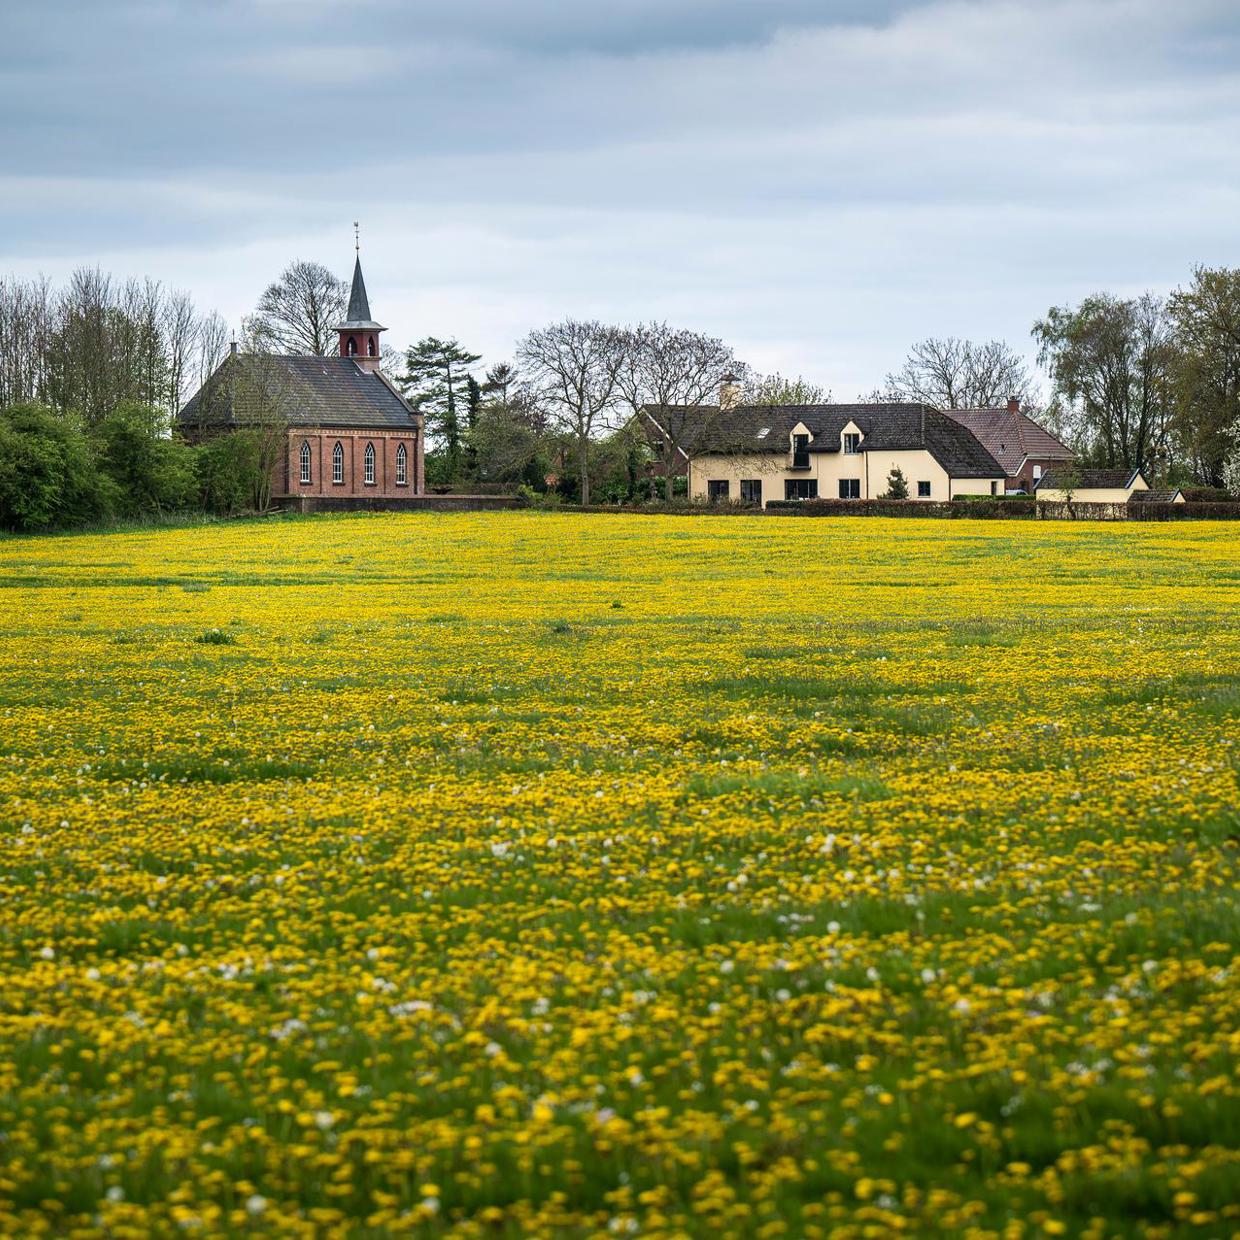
(1207, 414)
(1113, 362)
(897, 484)
(436, 381)
(48, 476)
(775, 390)
(960, 374)
(299, 312)
(151, 471)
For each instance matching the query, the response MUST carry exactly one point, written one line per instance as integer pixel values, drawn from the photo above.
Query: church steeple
(359, 333)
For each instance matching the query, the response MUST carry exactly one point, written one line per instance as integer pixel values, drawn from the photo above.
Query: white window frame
(304, 459)
(402, 466)
(852, 443)
(368, 465)
(338, 464)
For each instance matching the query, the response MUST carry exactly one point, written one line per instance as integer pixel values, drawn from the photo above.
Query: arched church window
(369, 464)
(402, 466)
(351, 347)
(338, 463)
(370, 347)
(305, 464)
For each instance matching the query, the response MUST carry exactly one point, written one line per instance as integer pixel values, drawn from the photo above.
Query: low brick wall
(406, 503)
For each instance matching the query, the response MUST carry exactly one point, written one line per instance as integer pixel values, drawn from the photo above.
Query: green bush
(48, 475)
(230, 473)
(151, 472)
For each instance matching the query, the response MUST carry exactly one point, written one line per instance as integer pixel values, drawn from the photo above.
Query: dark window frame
(800, 488)
(852, 486)
(923, 490)
(718, 490)
(751, 491)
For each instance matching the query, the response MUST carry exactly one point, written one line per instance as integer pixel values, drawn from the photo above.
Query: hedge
(1022, 508)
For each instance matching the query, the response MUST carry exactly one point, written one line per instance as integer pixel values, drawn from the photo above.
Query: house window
(1037, 472)
(716, 490)
(923, 490)
(852, 444)
(751, 491)
(402, 463)
(369, 465)
(850, 488)
(800, 452)
(801, 488)
(338, 464)
(305, 464)
(994, 488)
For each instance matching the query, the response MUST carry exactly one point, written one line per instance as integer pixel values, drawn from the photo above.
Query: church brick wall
(287, 481)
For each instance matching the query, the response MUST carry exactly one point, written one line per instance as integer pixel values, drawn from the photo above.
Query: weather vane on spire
(357, 239)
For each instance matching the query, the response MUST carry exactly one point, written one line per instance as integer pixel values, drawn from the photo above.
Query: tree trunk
(583, 464)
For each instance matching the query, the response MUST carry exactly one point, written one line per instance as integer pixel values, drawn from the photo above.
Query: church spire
(359, 333)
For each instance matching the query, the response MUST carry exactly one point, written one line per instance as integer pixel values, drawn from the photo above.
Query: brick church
(346, 430)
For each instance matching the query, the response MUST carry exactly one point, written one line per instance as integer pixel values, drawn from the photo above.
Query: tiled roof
(1092, 480)
(1153, 497)
(1010, 436)
(890, 427)
(248, 389)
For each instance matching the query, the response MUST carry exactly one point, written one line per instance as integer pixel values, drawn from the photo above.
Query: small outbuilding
(1091, 486)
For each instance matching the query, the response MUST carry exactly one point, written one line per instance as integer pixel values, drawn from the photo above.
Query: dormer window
(800, 452)
(852, 444)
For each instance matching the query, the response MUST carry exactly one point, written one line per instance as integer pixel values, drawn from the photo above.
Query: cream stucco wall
(1091, 495)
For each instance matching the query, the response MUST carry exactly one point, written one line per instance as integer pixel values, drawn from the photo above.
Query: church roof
(257, 389)
(359, 305)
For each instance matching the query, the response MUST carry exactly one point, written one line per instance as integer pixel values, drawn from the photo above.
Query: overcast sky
(821, 182)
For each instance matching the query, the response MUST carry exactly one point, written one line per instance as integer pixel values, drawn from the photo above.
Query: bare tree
(959, 374)
(179, 327)
(774, 390)
(576, 368)
(300, 311)
(212, 345)
(671, 377)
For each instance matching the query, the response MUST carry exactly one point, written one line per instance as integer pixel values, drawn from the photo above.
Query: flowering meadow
(535, 874)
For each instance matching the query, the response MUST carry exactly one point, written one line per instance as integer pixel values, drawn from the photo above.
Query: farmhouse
(340, 427)
(755, 453)
(1024, 449)
(1092, 486)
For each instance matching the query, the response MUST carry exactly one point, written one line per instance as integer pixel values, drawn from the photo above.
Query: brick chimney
(729, 391)
(1013, 404)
